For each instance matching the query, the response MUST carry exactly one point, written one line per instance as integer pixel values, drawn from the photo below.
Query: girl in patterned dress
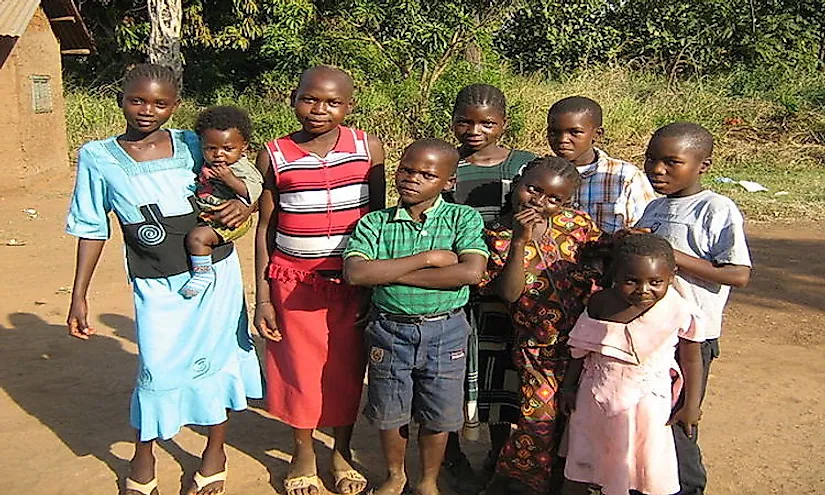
(485, 173)
(318, 182)
(534, 265)
(195, 356)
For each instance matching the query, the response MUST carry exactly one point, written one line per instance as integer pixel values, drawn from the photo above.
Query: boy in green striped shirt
(419, 257)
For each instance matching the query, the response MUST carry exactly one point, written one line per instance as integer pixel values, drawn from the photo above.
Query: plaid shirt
(391, 233)
(614, 193)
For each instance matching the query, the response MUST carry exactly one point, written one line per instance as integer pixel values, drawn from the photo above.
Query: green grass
(768, 129)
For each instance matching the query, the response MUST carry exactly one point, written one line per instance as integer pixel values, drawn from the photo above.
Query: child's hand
(223, 172)
(523, 223)
(265, 321)
(208, 172)
(687, 418)
(440, 258)
(567, 401)
(232, 213)
(78, 327)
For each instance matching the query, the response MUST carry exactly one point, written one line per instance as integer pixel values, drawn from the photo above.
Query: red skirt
(315, 374)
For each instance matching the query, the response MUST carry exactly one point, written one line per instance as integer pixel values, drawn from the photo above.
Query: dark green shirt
(391, 233)
(484, 188)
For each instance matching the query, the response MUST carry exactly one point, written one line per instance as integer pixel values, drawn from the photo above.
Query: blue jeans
(416, 371)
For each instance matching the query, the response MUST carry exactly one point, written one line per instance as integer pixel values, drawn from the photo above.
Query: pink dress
(619, 438)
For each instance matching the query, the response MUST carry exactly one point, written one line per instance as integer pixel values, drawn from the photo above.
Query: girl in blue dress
(195, 356)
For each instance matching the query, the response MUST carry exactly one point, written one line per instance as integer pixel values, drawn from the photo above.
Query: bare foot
(213, 461)
(142, 470)
(342, 462)
(427, 488)
(394, 485)
(303, 464)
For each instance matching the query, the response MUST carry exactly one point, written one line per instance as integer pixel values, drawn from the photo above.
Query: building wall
(32, 143)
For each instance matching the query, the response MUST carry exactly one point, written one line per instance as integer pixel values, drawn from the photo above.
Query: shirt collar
(591, 169)
(401, 213)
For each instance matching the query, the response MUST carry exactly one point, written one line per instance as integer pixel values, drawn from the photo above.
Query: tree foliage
(676, 38)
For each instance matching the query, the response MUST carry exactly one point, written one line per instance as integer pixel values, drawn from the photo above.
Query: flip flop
(350, 475)
(200, 481)
(143, 488)
(301, 482)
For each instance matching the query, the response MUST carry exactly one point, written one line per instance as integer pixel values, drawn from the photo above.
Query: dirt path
(63, 403)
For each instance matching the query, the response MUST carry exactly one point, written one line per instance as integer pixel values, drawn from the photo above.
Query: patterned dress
(554, 296)
(492, 381)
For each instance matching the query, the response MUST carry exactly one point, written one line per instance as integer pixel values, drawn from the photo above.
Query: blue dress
(196, 356)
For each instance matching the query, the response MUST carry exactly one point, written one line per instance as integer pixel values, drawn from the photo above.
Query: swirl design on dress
(200, 367)
(150, 235)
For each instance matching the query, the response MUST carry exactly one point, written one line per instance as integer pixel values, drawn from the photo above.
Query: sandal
(200, 481)
(301, 482)
(350, 475)
(142, 488)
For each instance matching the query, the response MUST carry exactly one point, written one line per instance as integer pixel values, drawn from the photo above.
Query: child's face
(422, 175)
(223, 147)
(571, 136)
(643, 280)
(147, 104)
(674, 167)
(322, 103)
(543, 191)
(478, 126)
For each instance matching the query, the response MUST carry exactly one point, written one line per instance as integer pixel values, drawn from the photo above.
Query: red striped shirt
(319, 199)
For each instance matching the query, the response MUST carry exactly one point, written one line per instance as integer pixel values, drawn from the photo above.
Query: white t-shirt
(705, 225)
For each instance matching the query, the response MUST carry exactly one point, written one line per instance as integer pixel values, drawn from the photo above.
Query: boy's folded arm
(468, 271)
(725, 274)
(361, 271)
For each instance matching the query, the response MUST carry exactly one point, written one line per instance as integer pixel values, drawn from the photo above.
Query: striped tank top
(319, 200)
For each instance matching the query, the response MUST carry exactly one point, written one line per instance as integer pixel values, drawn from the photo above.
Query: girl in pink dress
(624, 379)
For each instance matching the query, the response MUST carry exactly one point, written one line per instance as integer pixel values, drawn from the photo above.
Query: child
(226, 174)
(707, 232)
(196, 358)
(419, 257)
(484, 175)
(613, 192)
(318, 182)
(620, 438)
(534, 266)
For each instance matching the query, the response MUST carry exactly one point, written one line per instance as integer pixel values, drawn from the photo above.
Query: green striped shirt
(484, 188)
(391, 233)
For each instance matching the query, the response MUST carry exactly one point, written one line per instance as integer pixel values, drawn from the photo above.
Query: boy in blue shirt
(707, 233)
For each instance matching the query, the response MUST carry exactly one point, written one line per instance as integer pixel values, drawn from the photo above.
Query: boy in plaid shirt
(419, 257)
(614, 192)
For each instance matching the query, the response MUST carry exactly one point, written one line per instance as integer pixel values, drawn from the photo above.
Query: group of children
(555, 298)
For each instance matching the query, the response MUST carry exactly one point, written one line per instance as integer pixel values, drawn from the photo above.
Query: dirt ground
(64, 403)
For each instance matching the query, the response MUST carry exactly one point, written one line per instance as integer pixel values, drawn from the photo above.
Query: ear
(176, 105)
(706, 164)
(598, 134)
(450, 184)
(293, 96)
(350, 105)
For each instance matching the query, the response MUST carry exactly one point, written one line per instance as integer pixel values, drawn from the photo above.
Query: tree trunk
(164, 39)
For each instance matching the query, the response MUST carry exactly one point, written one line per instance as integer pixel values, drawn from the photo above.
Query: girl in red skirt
(318, 182)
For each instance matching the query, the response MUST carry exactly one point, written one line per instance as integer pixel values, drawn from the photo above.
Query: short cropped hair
(645, 245)
(438, 145)
(576, 105)
(224, 118)
(696, 136)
